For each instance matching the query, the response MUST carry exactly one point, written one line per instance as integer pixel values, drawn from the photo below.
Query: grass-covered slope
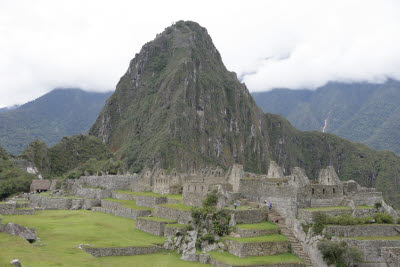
(352, 161)
(178, 105)
(67, 155)
(12, 179)
(59, 113)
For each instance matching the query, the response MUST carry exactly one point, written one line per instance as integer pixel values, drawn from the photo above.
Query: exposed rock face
(189, 247)
(16, 262)
(19, 230)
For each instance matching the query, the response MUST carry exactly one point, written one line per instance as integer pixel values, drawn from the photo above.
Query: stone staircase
(297, 248)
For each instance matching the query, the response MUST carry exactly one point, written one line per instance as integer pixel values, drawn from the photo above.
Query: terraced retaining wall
(117, 209)
(55, 203)
(95, 193)
(151, 202)
(123, 196)
(303, 214)
(363, 230)
(181, 216)
(150, 226)
(257, 248)
(172, 230)
(121, 251)
(253, 232)
(7, 208)
(371, 249)
(391, 256)
(250, 216)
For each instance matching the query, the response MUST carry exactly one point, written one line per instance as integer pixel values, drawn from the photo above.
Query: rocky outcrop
(19, 230)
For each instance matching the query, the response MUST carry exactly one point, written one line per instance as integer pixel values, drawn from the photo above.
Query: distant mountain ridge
(59, 113)
(360, 112)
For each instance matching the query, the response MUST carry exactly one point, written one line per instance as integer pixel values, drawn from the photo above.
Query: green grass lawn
(157, 219)
(150, 194)
(262, 238)
(396, 237)
(364, 207)
(128, 204)
(60, 231)
(328, 208)
(177, 206)
(230, 259)
(258, 226)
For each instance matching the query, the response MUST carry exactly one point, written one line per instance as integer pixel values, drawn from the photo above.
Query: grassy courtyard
(62, 230)
(233, 260)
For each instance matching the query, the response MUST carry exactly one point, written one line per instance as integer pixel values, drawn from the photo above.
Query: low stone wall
(150, 226)
(371, 249)
(94, 193)
(24, 212)
(253, 232)
(306, 215)
(117, 209)
(250, 216)
(364, 212)
(151, 202)
(121, 251)
(7, 208)
(257, 248)
(216, 263)
(363, 230)
(172, 230)
(367, 198)
(181, 216)
(58, 203)
(123, 196)
(391, 256)
(113, 182)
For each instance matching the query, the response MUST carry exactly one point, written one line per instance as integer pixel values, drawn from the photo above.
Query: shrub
(319, 219)
(189, 227)
(383, 218)
(211, 199)
(208, 237)
(340, 254)
(378, 205)
(221, 222)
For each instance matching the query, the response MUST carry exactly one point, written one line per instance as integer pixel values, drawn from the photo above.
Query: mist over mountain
(59, 113)
(360, 112)
(177, 106)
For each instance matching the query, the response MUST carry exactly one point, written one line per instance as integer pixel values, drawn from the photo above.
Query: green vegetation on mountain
(178, 106)
(360, 112)
(12, 179)
(69, 154)
(59, 113)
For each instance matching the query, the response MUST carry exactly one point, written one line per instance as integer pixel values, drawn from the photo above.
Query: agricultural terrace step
(257, 246)
(258, 229)
(172, 229)
(249, 215)
(179, 212)
(123, 208)
(129, 195)
(224, 259)
(152, 225)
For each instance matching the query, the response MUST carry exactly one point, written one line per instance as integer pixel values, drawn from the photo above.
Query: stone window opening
(194, 188)
(312, 191)
(294, 179)
(333, 190)
(323, 191)
(328, 180)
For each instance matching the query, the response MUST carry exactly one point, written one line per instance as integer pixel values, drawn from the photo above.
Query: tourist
(265, 202)
(235, 205)
(269, 206)
(276, 220)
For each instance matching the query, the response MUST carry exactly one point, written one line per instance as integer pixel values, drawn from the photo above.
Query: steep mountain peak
(178, 105)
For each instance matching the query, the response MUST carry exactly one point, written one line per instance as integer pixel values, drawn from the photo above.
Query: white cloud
(46, 44)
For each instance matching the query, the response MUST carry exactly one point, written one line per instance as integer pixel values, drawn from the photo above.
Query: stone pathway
(297, 248)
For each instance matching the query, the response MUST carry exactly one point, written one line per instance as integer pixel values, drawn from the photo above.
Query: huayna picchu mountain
(179, 107)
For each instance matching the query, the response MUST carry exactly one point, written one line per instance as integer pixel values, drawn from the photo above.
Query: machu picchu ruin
(182, 168)
(167, 204)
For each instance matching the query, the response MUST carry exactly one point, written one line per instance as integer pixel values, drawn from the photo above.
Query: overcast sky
(296, 44)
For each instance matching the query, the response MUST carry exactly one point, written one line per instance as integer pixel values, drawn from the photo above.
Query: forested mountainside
(59, 113)
(359, 112)
(178, 106)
